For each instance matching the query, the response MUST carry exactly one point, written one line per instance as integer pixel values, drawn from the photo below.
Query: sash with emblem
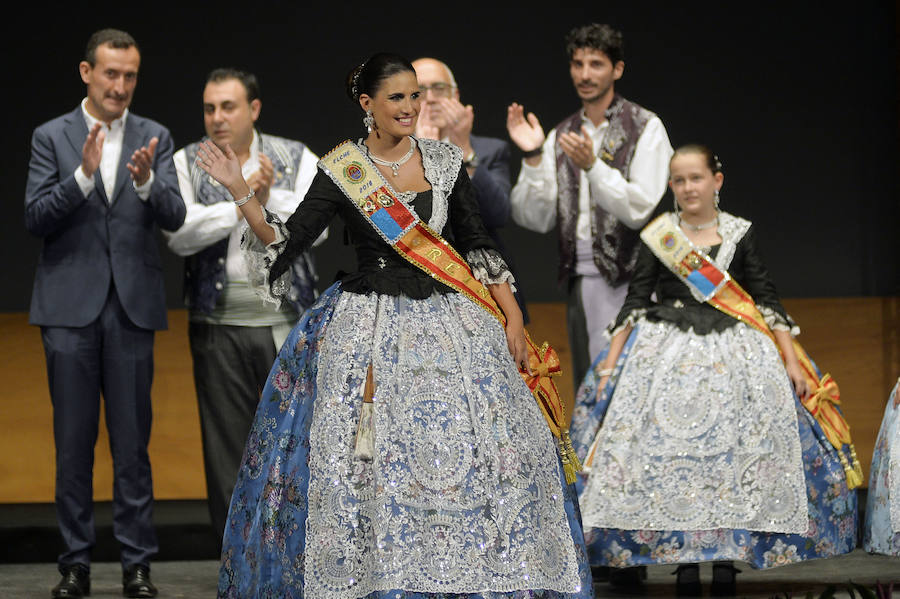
(425, 249)
(716, 287)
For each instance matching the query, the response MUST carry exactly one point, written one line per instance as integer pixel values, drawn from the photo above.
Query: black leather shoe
(687, 581)
(723, 580)
(76, 582)
(136, 582)
(631, 577)
(600, 573)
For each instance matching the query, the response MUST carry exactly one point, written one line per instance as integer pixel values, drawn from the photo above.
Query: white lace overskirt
(464, 492)
(701, 433)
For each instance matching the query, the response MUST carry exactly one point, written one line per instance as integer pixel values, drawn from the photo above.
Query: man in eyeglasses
(443, 116)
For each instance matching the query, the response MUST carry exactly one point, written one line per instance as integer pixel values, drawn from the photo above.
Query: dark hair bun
(368, 76)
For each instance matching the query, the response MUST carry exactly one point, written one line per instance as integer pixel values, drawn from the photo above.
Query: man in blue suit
(99, 181)
(486, 159)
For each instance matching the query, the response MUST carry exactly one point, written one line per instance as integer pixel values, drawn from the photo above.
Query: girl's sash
(696, 270)
(424, 248)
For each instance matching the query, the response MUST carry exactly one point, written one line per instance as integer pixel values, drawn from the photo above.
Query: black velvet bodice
(674, 302)
(380, 268)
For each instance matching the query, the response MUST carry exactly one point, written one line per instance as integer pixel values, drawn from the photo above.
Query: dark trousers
(576, 325)
(231, 364)
(114, 358)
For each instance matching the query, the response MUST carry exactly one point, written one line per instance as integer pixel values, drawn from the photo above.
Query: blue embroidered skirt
(716, 390)
(464, 495)
(882, 528)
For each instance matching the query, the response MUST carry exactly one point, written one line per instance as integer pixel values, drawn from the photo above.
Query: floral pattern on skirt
(296, 479)
(881, 533)
(832, 507)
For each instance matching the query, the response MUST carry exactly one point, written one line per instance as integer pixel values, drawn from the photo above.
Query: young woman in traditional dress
(397, 451)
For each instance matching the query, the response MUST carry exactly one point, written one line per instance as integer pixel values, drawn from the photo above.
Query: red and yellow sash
(423, 247)
(703, 276)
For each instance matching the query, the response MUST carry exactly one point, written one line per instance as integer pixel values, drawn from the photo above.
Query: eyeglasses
(439, 90)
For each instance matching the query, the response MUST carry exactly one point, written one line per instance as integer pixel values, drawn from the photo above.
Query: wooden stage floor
(857, 340)
(198, 578)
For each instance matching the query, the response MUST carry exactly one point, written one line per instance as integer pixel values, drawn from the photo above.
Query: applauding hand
(525, 133)
(224, 167)
(459, 121)
(142, 162)
(92, 150)
(579, 148)
(425, 125)
(261, 180)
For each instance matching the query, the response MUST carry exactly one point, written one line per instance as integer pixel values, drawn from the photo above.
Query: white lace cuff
(490, 268)
(777, 322)
(260, 257)
(629, 321)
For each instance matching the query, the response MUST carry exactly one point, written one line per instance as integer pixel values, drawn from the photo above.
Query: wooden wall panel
(27, 465)
(855, 339)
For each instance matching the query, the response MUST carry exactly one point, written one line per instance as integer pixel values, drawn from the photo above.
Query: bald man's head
(433, 70)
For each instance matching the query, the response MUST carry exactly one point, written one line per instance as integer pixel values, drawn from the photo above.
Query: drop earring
(368, 121)
(716, 201)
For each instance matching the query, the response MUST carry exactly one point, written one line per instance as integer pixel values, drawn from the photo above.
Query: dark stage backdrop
(799, 101)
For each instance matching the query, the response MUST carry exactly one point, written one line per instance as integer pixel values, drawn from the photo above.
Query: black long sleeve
(380, 268)
(674, 302)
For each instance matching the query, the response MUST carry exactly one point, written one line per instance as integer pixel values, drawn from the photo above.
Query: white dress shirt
(632, 200)
(207, 224)
(109, 158)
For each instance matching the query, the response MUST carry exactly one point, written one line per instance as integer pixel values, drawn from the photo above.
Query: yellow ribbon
(543, 363)
(822, 404)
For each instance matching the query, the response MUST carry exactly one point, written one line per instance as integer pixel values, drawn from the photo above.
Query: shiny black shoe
(76, 582)
(687, 581)
(723, 580)
(136, 582)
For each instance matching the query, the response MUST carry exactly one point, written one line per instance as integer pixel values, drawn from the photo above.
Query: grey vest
(204, 272)
(615, 246)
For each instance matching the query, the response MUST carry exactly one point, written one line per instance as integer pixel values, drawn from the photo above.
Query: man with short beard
(598, 175)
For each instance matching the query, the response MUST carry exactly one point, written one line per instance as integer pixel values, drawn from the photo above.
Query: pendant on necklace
(395, 166)
(701, 226)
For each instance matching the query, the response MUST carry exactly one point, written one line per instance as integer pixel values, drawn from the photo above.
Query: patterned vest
(615, 245)
(204, 272)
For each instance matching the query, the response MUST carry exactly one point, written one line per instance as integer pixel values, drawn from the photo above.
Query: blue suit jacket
(492, 183)
(90, 244)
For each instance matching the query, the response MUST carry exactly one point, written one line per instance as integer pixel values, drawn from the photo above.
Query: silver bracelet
(605, 372)
(244, 199)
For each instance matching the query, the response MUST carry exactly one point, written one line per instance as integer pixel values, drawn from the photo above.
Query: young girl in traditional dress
(698, 445)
